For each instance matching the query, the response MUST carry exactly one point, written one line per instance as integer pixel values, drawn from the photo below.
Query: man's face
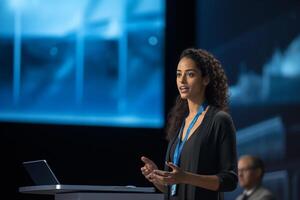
(248, 176)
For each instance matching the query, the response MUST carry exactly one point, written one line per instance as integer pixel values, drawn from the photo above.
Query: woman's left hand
(176, 176)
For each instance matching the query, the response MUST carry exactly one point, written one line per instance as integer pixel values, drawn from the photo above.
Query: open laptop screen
(40, 172)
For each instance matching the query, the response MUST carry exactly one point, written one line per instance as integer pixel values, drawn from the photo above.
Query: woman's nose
(182, 79)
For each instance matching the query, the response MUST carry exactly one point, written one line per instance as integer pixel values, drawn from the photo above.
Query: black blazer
(212, 152)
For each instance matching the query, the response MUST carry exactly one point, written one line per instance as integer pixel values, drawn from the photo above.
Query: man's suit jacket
(259, 193)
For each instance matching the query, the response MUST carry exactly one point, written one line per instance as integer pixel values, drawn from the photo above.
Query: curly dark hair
(216, 92)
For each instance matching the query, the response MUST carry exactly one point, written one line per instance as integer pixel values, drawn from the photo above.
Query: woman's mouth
(184, 89)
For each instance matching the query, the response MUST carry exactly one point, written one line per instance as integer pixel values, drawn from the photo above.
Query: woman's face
(190, 83)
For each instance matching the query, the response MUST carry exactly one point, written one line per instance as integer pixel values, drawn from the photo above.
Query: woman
(201, 160)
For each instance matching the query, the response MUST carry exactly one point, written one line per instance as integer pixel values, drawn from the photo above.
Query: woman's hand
(147, 171)
(176, 176)
(148, 168)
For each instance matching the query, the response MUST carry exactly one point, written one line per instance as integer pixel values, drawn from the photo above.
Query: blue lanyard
(180, 143)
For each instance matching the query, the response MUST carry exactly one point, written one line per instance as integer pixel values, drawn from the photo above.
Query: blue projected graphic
(278, 82)
(265, 139)
(87, 62)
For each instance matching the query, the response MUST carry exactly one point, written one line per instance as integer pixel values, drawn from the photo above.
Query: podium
(93, 192)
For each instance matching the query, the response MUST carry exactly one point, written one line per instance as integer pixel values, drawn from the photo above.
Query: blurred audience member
(250, 173)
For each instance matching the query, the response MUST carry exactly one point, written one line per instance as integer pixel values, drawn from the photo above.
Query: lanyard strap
(180, 143)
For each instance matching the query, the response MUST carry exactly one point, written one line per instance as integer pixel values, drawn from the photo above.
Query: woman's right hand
(147, 171)
(148, 168)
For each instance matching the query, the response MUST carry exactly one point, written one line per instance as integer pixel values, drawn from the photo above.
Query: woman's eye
(178, 74)
(191, 74)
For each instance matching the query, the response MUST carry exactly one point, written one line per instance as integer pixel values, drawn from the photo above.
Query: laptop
(46, 182)
(40, 172)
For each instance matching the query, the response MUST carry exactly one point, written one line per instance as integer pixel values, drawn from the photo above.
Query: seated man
(250, 173)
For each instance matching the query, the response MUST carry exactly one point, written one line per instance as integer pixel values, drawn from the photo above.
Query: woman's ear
(206, 80)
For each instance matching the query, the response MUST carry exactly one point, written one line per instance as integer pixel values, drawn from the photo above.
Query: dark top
(210, 150)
